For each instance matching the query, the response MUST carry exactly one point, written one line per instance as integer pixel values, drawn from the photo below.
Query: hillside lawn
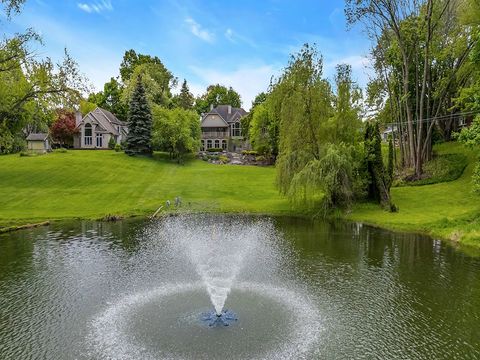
(449, 210)
(92, 184)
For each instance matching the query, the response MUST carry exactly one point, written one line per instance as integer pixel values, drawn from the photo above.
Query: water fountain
(232, 259)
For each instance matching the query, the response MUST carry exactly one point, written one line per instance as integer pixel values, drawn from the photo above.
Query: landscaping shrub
(260, 158)
(443, 168)
(215, 150)
(118, 147)
(112, 143)
(249, 152)
(60, 150)
(223, 159)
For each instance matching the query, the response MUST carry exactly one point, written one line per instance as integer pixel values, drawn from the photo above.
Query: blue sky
(235, 43)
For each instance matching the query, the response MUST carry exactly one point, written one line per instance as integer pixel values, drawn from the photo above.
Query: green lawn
(449, 210)
(92, 184)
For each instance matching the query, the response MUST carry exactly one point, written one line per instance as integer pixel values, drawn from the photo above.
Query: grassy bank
(448, 210)
(92, 184)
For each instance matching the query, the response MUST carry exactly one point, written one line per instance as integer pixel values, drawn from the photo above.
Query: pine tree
(185, 99)
(139, 138)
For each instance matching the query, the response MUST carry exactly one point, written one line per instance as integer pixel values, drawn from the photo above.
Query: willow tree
(318, 161)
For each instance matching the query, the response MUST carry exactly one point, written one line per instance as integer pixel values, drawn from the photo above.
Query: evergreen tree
(185, 99)
(379, 184)
(139, 139)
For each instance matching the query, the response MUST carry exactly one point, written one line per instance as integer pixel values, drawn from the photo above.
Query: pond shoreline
(471, 249)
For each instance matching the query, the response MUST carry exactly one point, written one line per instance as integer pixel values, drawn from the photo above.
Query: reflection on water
(379, 294)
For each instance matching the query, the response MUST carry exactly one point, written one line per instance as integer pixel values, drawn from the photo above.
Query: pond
(286, 288)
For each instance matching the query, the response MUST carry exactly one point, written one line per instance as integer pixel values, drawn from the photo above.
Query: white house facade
(97, 128)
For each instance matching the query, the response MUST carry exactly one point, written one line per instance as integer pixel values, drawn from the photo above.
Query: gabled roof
(213, 120)
(105, 119)
(37, 137)
(229, 117)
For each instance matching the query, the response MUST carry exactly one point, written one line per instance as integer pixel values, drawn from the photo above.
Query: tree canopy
(217, 95)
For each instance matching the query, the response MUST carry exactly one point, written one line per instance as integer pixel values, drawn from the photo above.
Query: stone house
(97, 128)
(38, 143)
(222, 129)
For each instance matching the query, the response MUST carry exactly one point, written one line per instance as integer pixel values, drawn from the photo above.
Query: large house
(222, 129)
(97, 128)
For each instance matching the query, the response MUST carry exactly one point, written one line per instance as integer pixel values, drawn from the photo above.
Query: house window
(209, 144)
(224, 144)
(99, 139)
(217, 144)
(88, 134)
(461, 121)
(236, 129)
(202, 145)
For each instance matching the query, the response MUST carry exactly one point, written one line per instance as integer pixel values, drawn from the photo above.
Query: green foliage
(217, 95)
(470, 136)
(32, 88)
(185, 98)
(378, 180)
(260, 158)
(157, 82)
(112, 143)
(215, 150)
(139, 138)
(476, 179)
(263, 132)
(176, 131)
(87, 106)
(118, 147)
(390, 163)
(223, 159)
(442, 168)
(318, 162)
(111, 99)
(249, 152)
(60, 150)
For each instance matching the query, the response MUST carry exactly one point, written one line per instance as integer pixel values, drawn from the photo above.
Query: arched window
(236, 129)
(202, 145)
(224, 144)
(217, 144)
(88, 134)
(209, 144)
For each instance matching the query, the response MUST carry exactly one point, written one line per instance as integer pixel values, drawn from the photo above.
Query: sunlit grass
(92, 184)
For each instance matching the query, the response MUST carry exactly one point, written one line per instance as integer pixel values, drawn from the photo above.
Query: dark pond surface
(87, 290)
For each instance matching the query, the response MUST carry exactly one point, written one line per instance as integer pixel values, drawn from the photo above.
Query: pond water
(293, 288)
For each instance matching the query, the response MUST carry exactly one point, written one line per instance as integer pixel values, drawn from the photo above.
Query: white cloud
(248, 81)
(199, 31)
(234, 37)
(96, 7)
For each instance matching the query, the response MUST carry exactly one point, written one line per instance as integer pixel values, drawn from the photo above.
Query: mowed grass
(448, 210)
(92, 184)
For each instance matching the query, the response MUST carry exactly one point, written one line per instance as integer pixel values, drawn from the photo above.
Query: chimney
(229, 109)
(78, 117)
